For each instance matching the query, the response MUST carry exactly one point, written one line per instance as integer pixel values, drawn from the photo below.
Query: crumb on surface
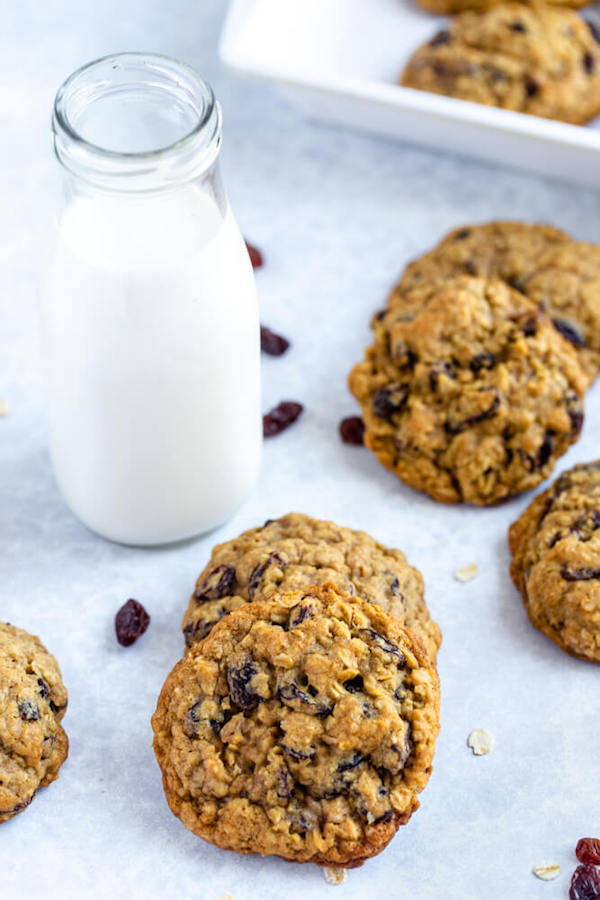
(466, 573)
(3, 408)
(335, 876)
(480, 742)
(547, 872)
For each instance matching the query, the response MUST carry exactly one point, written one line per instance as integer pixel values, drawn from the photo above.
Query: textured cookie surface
(445, 7)
(556, 561)
(296, 551)
(303, 726)
(540, 60)
(470, 395)
(33, 701)
(545, 264)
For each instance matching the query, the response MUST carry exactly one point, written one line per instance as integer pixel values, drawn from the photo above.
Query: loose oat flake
(480, 742)
(336, 876)
(466, 573)
(3, 407)
(548, 872)
(226, 897)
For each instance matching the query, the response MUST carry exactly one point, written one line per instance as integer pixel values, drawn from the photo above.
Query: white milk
(151, 339)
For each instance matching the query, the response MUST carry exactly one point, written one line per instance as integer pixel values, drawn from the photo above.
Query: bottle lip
(183, 159)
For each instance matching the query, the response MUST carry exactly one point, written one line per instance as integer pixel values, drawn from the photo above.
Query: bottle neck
(136, 124)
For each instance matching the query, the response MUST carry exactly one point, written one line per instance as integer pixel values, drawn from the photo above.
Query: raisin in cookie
(296, 551)
(450, 7)
(303, 726)
(556, 561)
(559, 274)
(471, 396)
(33, 700)
(540, 60)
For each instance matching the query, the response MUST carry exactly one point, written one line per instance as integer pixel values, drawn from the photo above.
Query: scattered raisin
(380, 641)
(28, 711)
(515, 284)
(354, 685)
(131, 622)
(585, 884)
(284, 791)
(256, 257)
(272, 343)
(44, 688)
(298, 755)
(217, 584)
(386, 817)
(238, 680)
(292, 696)
(352, 430)
(347, 764)
(530, 327)
(259, 570)
(281, 417)
(575, 411)
(517, 26)
(405, 358)
(544, 452)
(442, 37)
(489, 413)
(588, 851)
(390, 400)
(462, 234)
(437, 370)
(570, 332)
(588, 62)
(300, 613)
(531, 86)
(482, 361)
(570, 574)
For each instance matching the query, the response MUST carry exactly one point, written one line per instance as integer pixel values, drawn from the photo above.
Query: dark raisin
(131, 622)
(298, 755)
(585, 884)
(292, 696)
(531, 86)
(380, 641)
(386, 817)
(575, 412)
(217, 584)
(283, 789)
(300, 613)
(489, 413)
(544, 452)
(442, 37)
(462, 234)
(570, 574)
(438, 369)
(517, 26)
(569, 331)
(585, 527)
(405, 358)
(515, 284)
(482, 361)
(588, 851)
(238, 680)
(48, 746)
(594, 29)
(588, 62)
(379, 315)
(192, 719)
(28, 710)
(256, 257)
(281, 417)
(44, 691)
(347, 764)
(259, 570)
(530, 326)
(272, 343)
(390, 400)
(355, 685)
(352, 430)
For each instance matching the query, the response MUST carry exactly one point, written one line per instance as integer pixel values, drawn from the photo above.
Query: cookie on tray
(33, 700)
(545, 264)
(303, 726)
(296, 551)
(541, 60)
(450, 7)
(556, 561)
(472, 395)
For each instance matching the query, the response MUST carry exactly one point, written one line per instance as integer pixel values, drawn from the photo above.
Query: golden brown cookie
(556, 561)
(450, 7)
(559, 274)
(541, 60)
(33, 700)
(296, 551)
(472, 394)
(303, 726)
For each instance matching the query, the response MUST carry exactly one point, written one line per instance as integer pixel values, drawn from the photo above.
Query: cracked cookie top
(296, 551)
(303, 726)
(541, 60)
(556, 561)
(559, 274)
(471, 394)
(33, 701)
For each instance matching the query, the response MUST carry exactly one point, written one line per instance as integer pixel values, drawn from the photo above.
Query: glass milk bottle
(149, 313)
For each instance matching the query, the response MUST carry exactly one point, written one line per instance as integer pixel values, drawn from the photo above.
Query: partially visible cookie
(33, 700)
(303, 726)
(541, 60)
(449, 7)
(559, 274)
(556, 561)
(296, 551)
(472, 394)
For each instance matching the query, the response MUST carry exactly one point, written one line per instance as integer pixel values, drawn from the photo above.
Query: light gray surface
(337, 215)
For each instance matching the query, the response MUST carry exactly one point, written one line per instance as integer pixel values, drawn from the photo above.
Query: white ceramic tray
(341, 59)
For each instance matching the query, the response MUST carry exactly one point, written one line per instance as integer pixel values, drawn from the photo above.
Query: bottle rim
(177, 161)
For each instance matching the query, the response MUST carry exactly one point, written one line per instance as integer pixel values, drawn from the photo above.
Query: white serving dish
(340, 59)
